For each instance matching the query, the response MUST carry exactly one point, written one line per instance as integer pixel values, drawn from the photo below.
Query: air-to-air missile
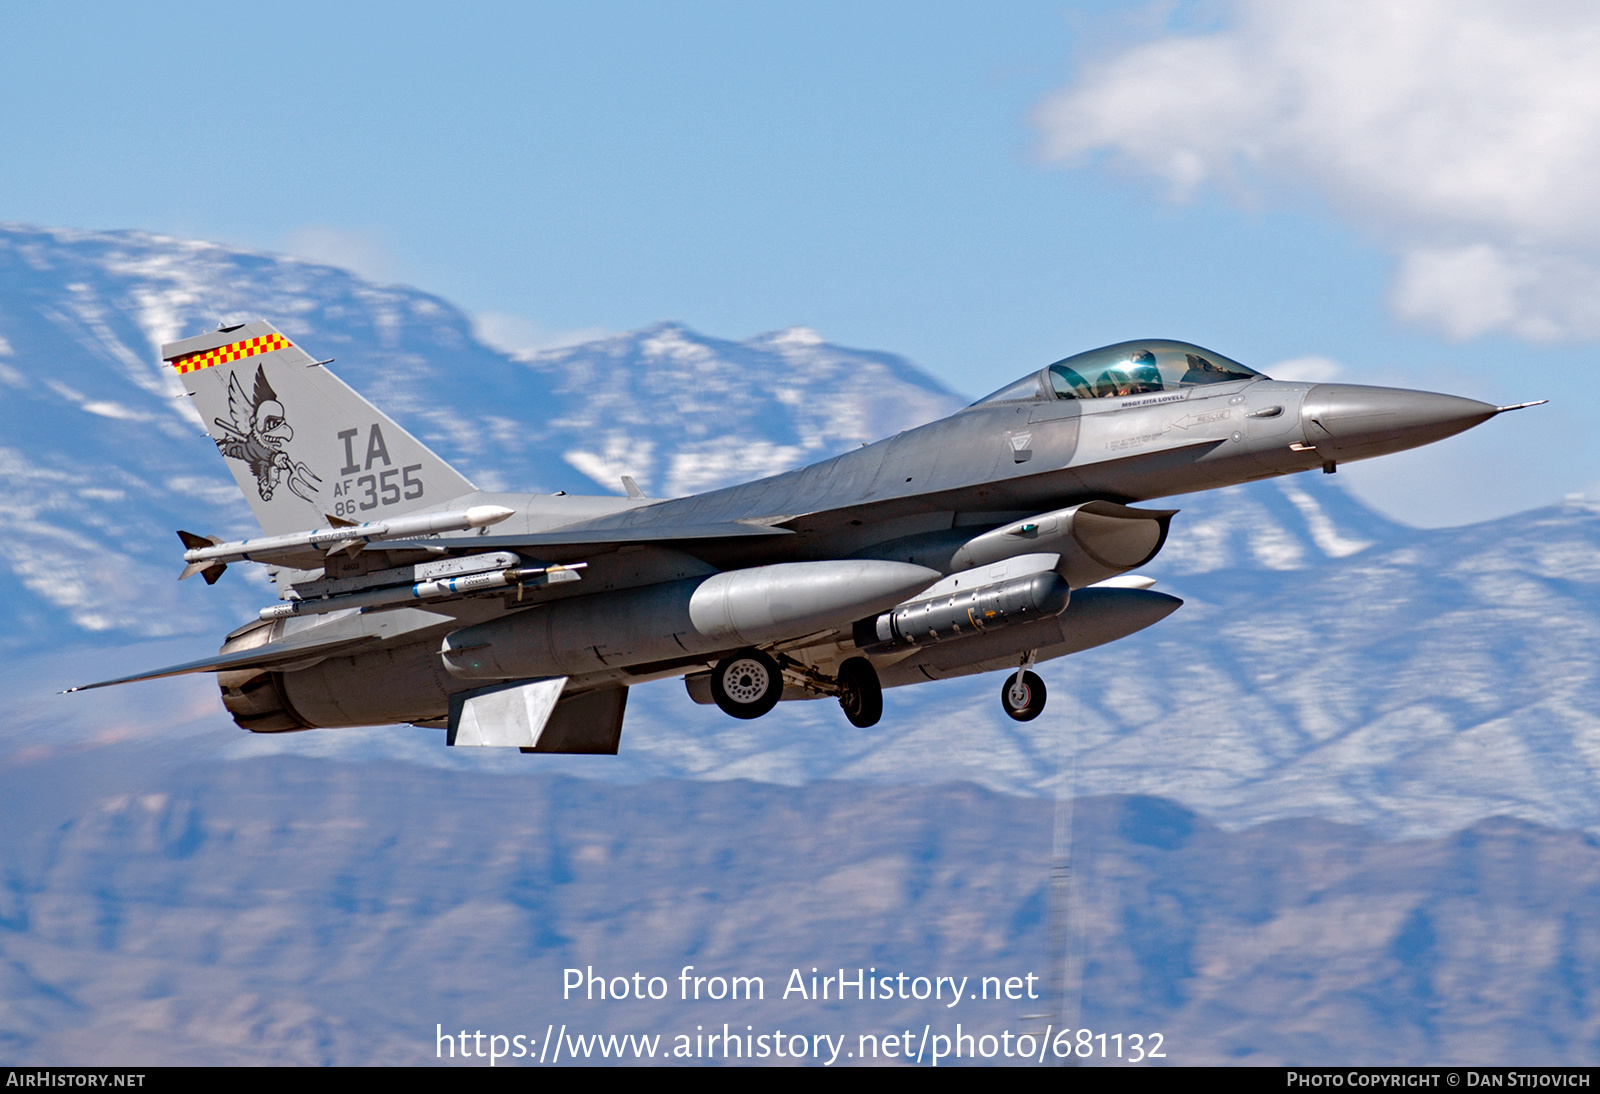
(500, 575)
(205, 552)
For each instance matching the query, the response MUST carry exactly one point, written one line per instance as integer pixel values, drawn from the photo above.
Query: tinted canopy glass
(1127, 368)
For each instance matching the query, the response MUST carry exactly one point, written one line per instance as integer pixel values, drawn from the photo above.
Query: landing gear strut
(1023, 694)
(747, 684)
(860, 694)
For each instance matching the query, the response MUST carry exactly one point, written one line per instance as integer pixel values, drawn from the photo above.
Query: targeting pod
(965, 613)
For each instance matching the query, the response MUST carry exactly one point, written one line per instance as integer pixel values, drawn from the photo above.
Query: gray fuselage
(916, 498)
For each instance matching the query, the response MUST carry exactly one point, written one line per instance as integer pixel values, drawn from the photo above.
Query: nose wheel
(860, 694)
(747, 684)
(1023, 695)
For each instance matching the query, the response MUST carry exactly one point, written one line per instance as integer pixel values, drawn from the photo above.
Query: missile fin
(211, 571)
(194, 542)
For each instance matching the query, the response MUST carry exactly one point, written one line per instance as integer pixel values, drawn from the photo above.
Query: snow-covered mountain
(1327, 660)
(284, 911)
(102, 458)
(172, 889)
(684, 413)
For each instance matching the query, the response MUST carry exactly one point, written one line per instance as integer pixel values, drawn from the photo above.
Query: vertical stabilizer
(302, 445)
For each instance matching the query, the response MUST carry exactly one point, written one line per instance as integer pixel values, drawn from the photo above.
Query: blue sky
(983, 188)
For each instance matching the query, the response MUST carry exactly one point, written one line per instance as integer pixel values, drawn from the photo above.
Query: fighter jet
(1001, 536)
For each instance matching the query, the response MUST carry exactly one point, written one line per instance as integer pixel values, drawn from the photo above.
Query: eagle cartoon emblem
(257, 433)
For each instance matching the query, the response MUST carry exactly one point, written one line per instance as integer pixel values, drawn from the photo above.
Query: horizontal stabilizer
(279, 653)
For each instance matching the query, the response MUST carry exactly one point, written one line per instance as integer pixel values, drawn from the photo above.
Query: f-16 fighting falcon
(987, 541)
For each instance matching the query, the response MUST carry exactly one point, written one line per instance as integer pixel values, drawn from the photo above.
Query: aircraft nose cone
(1354, 422)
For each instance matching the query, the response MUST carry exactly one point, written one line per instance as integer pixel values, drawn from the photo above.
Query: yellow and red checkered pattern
(265, 343)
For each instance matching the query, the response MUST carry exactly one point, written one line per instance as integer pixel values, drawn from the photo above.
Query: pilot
(1110, 383)
(1143, 374)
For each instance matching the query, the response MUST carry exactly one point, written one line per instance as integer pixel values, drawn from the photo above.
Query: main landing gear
(1023, 694)
(749, 683)
(860, 694)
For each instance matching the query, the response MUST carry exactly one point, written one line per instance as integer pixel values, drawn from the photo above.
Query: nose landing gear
(1023, 694)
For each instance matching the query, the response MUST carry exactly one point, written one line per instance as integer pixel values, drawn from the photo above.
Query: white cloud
(1316, 370)
(361, 252)
(1470, 290)
(519, 337)
(1465, 133)
(105, 408)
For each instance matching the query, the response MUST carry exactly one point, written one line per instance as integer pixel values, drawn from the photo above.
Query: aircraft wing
(278, 653)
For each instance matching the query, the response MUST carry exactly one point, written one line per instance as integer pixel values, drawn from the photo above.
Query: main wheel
(747, 684)
(1023, 696)
(860, 694)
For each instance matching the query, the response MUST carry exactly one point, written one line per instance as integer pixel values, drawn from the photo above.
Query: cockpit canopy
(1127, 368)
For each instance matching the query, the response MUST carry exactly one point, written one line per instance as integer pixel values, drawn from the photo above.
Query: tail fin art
(301, 444)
